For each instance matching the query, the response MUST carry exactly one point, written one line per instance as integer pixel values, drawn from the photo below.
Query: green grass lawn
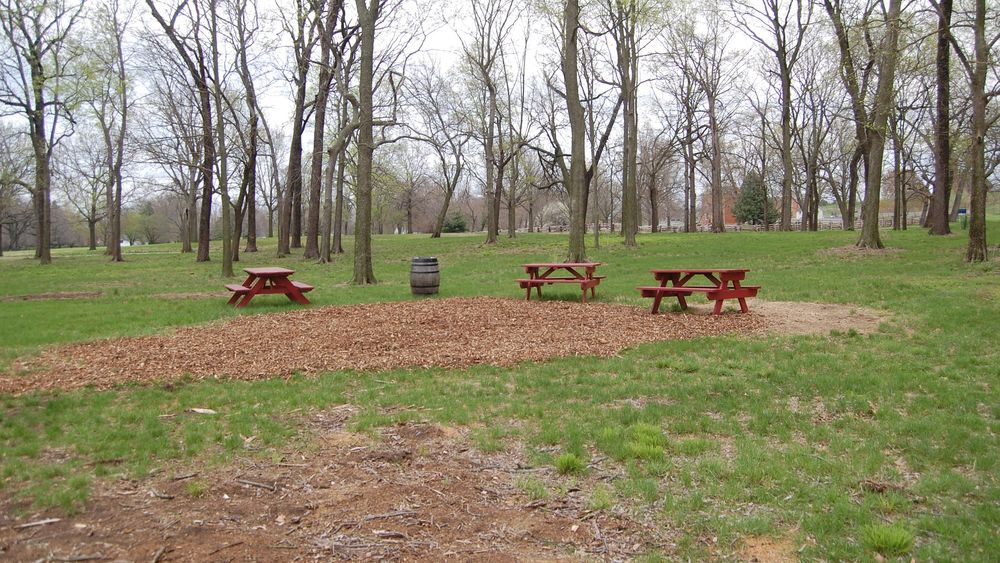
(719, 437)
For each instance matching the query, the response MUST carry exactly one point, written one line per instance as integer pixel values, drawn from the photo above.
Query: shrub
(455, 223)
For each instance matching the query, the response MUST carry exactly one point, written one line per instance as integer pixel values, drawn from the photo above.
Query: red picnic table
(268, 281)
(581, 273)
(725, 284)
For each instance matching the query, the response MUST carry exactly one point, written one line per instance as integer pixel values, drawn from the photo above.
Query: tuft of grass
(534, 488)
(887, 540)
(570, 463)
(600, 498)
(490, 439)
(196, 489)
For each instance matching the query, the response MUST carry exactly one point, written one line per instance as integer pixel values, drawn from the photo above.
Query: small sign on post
(963, 218)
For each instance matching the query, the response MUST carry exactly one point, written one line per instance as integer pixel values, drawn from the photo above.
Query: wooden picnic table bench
(726, 283)
(268, 281)
(581, 273)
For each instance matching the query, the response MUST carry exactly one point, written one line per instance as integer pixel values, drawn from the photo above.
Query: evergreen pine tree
(749, 206)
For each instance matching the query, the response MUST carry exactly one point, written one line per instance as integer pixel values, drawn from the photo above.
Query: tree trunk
(43, 172)
(190, 213)
(198, 74)
(114, 212)
(293, 186)
(491, 161)
(718, 211)
(515, 174)
(852, 189)
(576, 184)
(338, 208)
(786, 141)
(938, 214)
(977, 202)
(889, 54)
(363, 273)
(628, 72)
(897, 200)
(654, 205)
(227, 245)
(956, 203)
(319, 130)
(327, 215)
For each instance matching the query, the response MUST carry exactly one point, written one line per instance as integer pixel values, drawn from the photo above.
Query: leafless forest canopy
(221, 121)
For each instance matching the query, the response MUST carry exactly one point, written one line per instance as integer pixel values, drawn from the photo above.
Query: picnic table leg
(254, 290)
(296, 296)
(742, 300)
(527, 295)
(683, 302)
(656, 303)
(291, 292)
(584, 286)
(718, 307)
(237, 296)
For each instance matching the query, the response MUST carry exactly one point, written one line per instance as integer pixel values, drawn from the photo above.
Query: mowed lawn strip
(718, 438)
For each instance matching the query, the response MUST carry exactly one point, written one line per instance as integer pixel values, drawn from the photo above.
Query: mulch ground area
(454, 332)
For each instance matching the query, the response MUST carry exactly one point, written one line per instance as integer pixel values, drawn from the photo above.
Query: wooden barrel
(425, 277)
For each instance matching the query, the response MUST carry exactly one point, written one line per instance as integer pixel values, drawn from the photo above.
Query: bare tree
(656, 152)
(192, 52)
(937, 218)
(269, 187)
(345, 68)
(687, 98)
(166, 134)
(785, 24)
(301, 28)
(632, 25)
(869, 123)
(15, 170)
(815, 103)
(327, 14)
(977, 67)
(36, 80)
(444, 128)
(245, 18)
(109, 101)
(702, 53)
(81, 176)
(576, 185)
(492, 24)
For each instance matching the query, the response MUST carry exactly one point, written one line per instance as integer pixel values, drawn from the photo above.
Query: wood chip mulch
(451, 333)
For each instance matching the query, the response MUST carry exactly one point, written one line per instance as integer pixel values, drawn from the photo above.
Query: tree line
(334, 116)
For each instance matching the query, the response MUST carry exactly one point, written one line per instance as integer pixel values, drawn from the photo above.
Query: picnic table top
(562, 265)
(269, 271)
(697, 270)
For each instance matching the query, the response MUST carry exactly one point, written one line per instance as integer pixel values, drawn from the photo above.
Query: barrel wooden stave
(425, 276)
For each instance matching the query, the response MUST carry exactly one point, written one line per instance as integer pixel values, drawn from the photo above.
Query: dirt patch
(792, 317)
(768, 550)
(53, 296)
(417, 493)
(854, 253)
(192, 295)
(439, 332)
